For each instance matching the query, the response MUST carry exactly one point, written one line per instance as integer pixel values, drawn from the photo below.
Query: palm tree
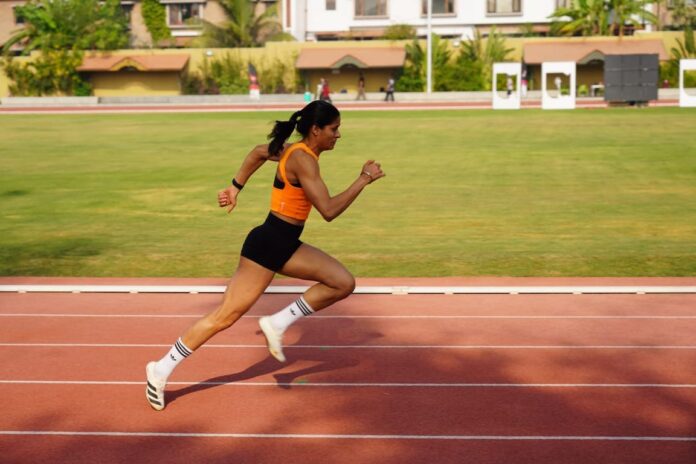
(244, 28)
(631, 12)
(683, 14)
(583, 17)
(478, 55)
(414, 73)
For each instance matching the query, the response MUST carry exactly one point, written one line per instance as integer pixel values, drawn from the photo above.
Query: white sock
(165, 366)
(281, 320)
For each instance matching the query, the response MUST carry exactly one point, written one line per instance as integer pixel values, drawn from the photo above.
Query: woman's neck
(312, 145)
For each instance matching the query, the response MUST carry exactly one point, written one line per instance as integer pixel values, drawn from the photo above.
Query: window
(504, 7)
(440, 7)
(370, 7)
(179, 13)
(330, 5)
(127, 9)
(19, 19)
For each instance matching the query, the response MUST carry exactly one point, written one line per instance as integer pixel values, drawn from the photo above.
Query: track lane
(436, 366)
(364, 332)
(362, 305)
(108, 450)
(366, 411)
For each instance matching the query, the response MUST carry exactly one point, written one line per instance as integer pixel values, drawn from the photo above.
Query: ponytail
(281, 132)
(317, 113)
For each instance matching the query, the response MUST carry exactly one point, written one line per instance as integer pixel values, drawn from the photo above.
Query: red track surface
(480, 379)
(342, 105)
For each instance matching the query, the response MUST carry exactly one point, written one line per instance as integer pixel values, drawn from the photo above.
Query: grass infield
(467, 193)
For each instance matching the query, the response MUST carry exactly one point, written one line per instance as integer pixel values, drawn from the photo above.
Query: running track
(242, 107)
(437, 378)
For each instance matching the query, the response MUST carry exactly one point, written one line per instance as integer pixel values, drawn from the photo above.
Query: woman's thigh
(310, 263)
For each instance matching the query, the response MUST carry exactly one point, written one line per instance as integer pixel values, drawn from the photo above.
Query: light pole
(429, 53)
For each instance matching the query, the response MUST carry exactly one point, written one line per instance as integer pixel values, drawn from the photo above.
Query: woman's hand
(228, 198)
(372, 171)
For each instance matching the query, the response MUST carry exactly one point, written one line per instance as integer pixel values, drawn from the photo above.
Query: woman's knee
(344, 285)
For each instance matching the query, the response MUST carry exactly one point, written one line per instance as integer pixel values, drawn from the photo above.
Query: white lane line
(302, 436)
(380, 290)
(318, 316)
(366, 347)
(360, 384)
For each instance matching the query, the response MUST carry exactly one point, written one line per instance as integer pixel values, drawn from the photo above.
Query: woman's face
(328, 135)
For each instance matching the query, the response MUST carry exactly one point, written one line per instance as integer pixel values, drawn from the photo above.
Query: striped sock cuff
(182, 349)
(304, 306)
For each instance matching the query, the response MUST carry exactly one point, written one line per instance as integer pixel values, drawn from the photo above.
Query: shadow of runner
(326, 362)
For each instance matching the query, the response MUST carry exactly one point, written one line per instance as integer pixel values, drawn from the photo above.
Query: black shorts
(272, 243)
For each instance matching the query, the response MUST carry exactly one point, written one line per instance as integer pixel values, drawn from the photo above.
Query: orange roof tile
(362, 57)
(582, 51)
(146, 63)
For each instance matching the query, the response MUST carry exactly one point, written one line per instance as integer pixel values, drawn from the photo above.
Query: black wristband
(237, 184)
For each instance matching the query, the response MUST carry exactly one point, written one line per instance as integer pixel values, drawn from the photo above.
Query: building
(367, 19)
(315, 20)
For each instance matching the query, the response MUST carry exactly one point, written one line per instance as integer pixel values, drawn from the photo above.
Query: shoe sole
(266, 329)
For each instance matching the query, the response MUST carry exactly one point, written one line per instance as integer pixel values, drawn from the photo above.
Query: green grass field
(467, 193)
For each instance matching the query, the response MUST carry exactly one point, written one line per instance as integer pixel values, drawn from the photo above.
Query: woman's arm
(306, 169)
(253, 161)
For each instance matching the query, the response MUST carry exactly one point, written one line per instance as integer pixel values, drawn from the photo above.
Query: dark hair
(318, 113)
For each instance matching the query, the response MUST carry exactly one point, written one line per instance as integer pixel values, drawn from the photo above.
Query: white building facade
(309, 20)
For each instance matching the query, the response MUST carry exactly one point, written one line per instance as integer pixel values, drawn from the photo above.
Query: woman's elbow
(261, 151)
(329, 217)
(327, 214)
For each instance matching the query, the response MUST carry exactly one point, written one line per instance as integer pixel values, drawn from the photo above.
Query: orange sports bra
(287, 199)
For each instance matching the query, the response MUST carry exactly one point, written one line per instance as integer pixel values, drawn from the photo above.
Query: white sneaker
(274, 340)
(154, 391)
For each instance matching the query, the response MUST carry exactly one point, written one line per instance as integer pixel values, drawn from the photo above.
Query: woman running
(275, 246)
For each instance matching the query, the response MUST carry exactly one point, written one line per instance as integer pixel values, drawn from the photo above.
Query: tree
(243, 28)
(414, 76)
(70, 24)
(685, 49)
(61, 30)
(600, 17)
(473, 67)
(583, 17)
(631, 12)
(683, 14)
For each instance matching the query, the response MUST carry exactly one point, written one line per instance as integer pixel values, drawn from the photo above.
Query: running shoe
(274, 340)
(154, 391)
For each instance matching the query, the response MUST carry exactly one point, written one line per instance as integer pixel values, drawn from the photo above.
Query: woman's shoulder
(300, 151)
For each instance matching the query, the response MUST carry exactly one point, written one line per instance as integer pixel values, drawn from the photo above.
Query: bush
(54, 72)
(400, 32)
(226, 76)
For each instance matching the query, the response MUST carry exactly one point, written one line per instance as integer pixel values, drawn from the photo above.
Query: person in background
(320, 88)
(361, 88)
(325, 91)
(390, 89)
